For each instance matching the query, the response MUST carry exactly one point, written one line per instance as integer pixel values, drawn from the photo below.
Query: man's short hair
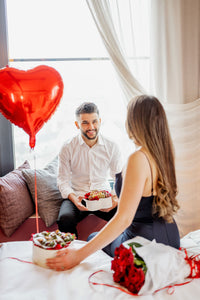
(86, 108)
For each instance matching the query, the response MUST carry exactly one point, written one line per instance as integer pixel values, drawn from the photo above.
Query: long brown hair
(147, 124)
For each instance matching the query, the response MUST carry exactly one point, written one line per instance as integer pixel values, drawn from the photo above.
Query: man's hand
(115, 201)
(77, 201)
(79, 205)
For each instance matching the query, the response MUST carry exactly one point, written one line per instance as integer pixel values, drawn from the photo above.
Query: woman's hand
(64, 260)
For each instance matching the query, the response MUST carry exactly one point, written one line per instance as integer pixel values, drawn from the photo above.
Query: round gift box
(40, 255)
(102, 203)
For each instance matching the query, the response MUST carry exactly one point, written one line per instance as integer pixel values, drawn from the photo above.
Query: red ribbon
(172, 287)
(169, 287)
(194, 263)
(109, 285)
(21, 260)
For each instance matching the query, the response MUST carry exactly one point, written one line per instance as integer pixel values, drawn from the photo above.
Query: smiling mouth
(91, 131)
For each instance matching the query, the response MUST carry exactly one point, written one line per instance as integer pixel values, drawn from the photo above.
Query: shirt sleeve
(64, 172)
(116, 163)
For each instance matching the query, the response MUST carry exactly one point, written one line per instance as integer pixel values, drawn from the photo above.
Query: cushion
(49, 198)
(16, 204)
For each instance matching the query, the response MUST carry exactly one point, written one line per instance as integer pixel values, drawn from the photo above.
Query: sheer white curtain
(175, 59)
(175, 50)
(184, 122)
(102, 11)
(175, 54)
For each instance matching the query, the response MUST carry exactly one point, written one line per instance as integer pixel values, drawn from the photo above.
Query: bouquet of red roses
(145, 267)
(129, 268)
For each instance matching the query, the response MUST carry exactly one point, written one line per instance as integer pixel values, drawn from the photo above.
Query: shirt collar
(100, 140)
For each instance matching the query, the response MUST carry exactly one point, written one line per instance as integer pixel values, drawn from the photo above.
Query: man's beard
(88, 137)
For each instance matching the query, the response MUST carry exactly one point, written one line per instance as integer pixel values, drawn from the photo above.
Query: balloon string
(36, 202)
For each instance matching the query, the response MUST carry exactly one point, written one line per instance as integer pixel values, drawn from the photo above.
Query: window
(62, 34)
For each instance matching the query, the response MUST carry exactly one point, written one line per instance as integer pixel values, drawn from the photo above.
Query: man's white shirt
(83, 169)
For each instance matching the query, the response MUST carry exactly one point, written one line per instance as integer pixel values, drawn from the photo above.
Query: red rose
(121, 263)
(134, 280)
(124, 254)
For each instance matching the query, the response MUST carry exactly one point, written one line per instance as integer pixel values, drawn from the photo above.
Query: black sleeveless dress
(145, 225)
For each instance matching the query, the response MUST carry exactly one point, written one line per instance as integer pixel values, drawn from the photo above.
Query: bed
(24, 281)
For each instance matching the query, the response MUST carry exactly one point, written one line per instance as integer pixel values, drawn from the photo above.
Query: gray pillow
(48, 196)
(16, 204)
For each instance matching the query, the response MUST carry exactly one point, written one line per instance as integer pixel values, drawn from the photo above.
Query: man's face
(89, 125)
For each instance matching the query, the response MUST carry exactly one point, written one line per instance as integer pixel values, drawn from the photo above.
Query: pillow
(16, 204)
(49, 198)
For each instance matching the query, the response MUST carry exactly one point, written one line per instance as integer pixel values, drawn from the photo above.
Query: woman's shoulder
(139, 162)
(138, 157)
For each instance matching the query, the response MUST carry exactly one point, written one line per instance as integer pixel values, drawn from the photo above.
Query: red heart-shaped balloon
(29, 98)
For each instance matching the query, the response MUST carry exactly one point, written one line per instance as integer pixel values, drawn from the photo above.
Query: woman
(148, 194)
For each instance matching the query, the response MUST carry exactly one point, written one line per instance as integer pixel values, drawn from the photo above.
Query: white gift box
(102, 203)
(40, 255)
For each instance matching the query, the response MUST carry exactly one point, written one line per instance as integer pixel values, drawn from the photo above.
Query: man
(84, 164)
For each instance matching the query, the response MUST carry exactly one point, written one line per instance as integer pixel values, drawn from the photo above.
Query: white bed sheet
(22, 281)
